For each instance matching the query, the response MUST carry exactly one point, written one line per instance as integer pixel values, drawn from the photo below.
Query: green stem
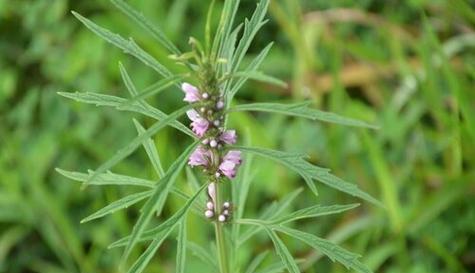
(220, 243)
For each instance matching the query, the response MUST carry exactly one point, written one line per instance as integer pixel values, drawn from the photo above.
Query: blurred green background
(408, 66)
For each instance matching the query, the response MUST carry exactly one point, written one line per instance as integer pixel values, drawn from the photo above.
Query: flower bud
(213, 143)
(210, 205)
(205, 95)
(222, 218)
(209, 214)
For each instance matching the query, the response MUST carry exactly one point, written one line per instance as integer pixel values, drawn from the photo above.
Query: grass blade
(301, 110)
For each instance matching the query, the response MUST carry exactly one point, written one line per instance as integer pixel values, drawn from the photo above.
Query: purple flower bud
(200, 157)
(205, 141)
(226, 212)
(199, 125)
(220, 104)
(228, 137)
(222, 218)
(213, 143)
(230, 163)
(209, 214)
(192, 94)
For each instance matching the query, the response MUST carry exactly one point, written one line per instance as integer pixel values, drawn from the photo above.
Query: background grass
(408, 66)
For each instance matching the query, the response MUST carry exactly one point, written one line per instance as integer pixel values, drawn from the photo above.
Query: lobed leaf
(331, 250)
(313, 211)
(309, 172)
(128, 46)
(143, 22)
(301, 110)
(122, 203)
(118, 103)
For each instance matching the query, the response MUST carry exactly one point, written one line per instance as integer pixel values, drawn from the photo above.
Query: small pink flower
(200, 157)
(192, 94)
(230, 163)
(228, 137)
(199, 125)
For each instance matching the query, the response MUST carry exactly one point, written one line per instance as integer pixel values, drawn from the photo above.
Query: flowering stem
(220, 243)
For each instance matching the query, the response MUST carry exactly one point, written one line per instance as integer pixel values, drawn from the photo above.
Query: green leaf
(160, 192)
(259, 76)
(251, 27)
(118, 103)
(225, 24)
(143, 22)
(301, 110)
(331, 250)
(151, 151)
(203, 254)
(122, 203)
(127, 150)
(166, 229)
(253, 66)
(283, 252)
(181, 247)
(256, 262)
(313, 211)
(108, 178)
(309, 172)
(128, 46)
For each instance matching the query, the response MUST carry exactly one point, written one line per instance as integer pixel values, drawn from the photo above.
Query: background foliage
(405, 65)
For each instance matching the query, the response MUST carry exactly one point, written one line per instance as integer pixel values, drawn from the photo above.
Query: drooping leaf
(128, 46)
(118, 103)
(160, 192)
(301, 110)
(331, 250)
(310, 172)
(127, 150)
(166, 229)
(283, 252)
(122, 203)
(313, 211)
(143, 22)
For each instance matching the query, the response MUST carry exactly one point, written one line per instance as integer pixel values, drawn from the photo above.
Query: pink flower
(228, 137)
(230, 163)
(200, 157)
(192, 94)
(199, 125)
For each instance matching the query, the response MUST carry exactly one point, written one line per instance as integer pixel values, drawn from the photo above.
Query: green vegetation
(407, 66)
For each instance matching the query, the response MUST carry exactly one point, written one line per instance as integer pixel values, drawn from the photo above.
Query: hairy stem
(220, 243)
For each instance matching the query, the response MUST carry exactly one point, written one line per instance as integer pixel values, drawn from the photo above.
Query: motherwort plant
(215, 69)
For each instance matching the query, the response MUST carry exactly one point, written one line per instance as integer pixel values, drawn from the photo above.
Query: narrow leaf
(108, 178)
(127, 150)
(331, 250)
(122, 203)
(256, 262)
(143, 22)
(160, 192)
(181, 247)
(166, 228)
(259, 76)
(202, 254)
(151, 151)
(309, 172)
(313, 211)
(128, 46)
(283, 252)
(118, 103)
(301, 110)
